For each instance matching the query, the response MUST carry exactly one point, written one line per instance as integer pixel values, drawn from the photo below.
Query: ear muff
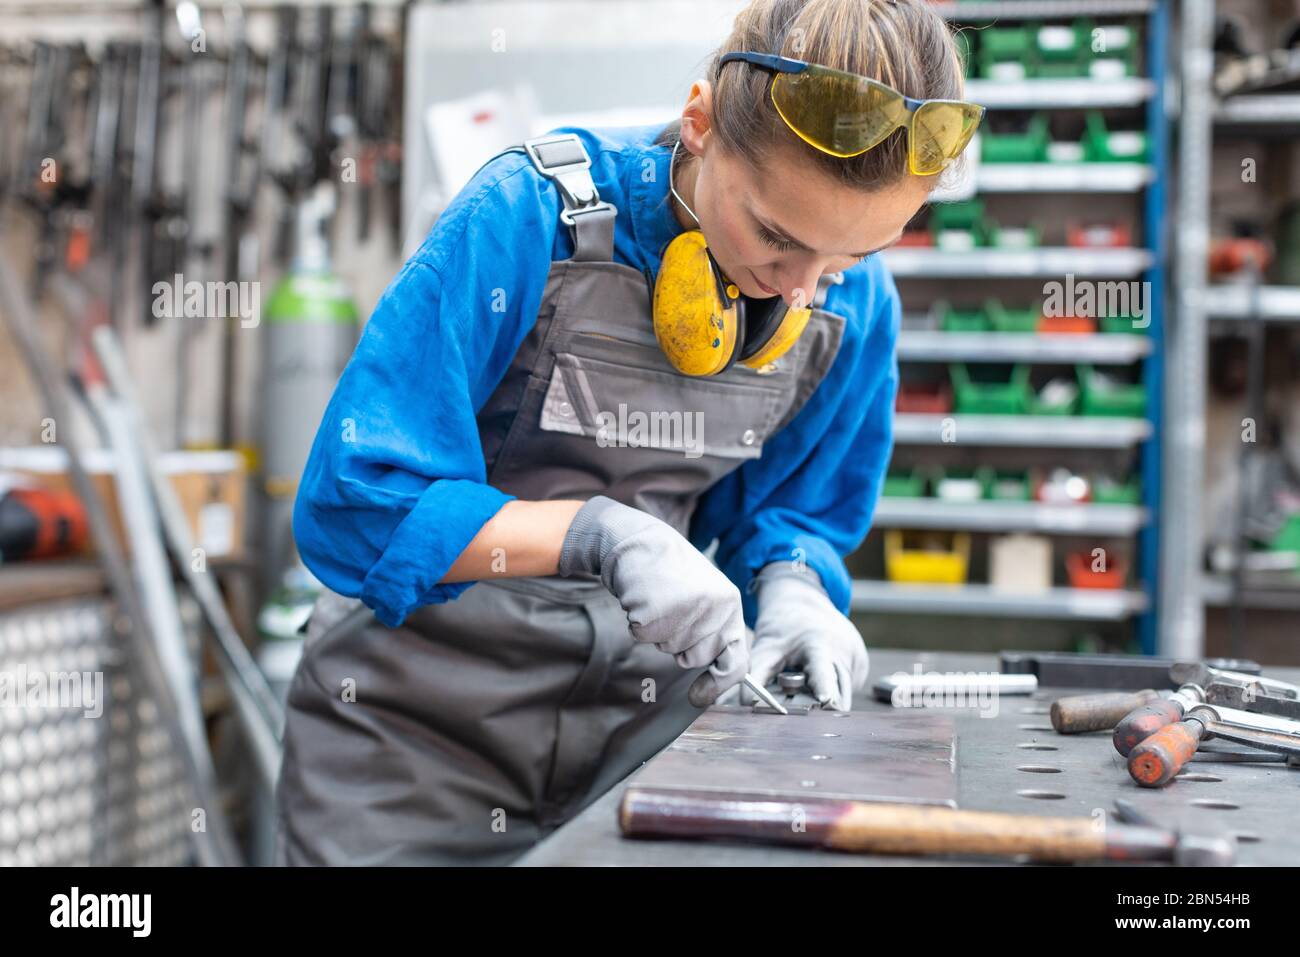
(774, 334)
(702, 322)
(696, 319)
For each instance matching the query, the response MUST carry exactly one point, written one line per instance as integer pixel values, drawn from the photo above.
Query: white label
(957, 240)
(1125, 143)
(1056, 38)
(1108, 69)
(1064, 151)
(217, 528)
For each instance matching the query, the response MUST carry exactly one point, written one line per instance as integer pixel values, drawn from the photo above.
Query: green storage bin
(1123, 325)
(961, 320)
(1100, 145)
(1063, 51)
(1009, 487)
(1014, 237)
(974, 484)
(1027, 147)
(968, 214)
(1286, 239)
(989, 398)
(1287, 538)
(1041, 403)
(1114, 50)
(1106, 491)
(959, 225)
(1007, 53)
(1002, 319)
(904, 484)
(1125, 400)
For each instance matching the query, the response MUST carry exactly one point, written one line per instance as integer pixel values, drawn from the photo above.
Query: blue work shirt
(396, 486)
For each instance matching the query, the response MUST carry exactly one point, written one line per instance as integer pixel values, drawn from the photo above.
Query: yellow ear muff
(694, 319)
(787, 333)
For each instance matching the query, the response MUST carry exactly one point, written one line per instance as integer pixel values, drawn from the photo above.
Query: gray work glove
(798, 626)
(675, 598)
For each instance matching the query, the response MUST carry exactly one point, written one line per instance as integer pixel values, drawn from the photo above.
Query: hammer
(865, 827)
(1156, 761)
(1145, 721)
(1097, 712)
(1194, 850)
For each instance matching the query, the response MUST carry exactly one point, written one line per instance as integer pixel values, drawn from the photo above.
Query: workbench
(1011, 762)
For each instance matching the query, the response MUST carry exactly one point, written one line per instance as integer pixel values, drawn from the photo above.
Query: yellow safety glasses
(845, 114)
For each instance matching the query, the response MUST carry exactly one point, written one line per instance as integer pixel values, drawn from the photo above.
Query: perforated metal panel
(88, 774)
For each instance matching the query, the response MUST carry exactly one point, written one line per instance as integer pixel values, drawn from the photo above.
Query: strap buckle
(563, 158)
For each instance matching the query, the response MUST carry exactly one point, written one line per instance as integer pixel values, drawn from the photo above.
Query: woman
(585, 376)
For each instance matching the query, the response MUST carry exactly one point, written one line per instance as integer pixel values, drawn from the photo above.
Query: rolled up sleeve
(395, 486)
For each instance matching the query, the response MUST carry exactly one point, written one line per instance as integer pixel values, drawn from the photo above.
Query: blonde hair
(902, 43)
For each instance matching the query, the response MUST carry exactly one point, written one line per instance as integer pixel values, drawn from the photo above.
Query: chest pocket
(627, 406)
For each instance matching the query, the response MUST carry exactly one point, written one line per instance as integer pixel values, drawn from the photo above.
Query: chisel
(764, 695)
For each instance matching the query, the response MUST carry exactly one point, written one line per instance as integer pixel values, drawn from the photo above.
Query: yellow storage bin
(937, 558)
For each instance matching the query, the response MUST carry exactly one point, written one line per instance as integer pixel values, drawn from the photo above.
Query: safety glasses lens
(838, 113)
(940, 131)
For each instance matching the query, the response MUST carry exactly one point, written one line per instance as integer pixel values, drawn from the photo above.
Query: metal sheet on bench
(860, 755)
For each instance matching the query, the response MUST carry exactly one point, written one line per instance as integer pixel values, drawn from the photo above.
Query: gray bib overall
(482, 724)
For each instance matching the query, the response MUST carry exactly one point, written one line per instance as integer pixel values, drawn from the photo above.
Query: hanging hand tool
(186, 250)
(238, 252)
(869, 828)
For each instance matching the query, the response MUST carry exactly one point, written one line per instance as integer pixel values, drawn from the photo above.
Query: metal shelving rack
(1185, 588)
(1146, 262)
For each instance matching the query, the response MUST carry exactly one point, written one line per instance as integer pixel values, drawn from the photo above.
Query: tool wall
(150, 142)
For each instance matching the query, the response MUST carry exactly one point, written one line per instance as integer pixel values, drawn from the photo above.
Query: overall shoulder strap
(563, 158)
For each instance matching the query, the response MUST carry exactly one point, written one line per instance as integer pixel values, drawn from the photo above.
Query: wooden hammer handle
(858, 826)
(1141, 723)
(1096, 712)
(1155, 761)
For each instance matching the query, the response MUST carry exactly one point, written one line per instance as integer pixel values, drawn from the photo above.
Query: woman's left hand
(799, 627)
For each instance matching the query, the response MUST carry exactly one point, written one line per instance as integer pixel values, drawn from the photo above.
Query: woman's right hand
(675, 598)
